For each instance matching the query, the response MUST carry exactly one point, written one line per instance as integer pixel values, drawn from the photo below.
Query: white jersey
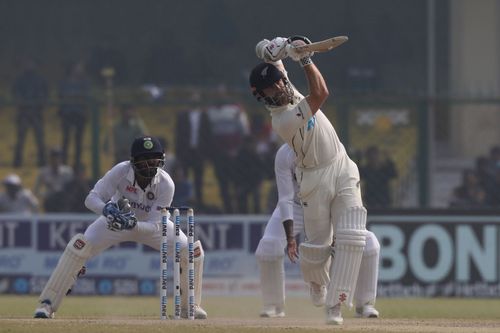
(312, 137)
(119, 182)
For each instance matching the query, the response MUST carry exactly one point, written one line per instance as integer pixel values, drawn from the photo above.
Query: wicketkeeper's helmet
(146, 156)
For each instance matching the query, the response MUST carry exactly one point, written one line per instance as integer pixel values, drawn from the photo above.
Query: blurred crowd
(221, 142)
(480, 186)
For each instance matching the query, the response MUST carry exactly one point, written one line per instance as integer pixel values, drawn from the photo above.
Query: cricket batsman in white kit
(129, 198)
(281, 230)
(329, 183)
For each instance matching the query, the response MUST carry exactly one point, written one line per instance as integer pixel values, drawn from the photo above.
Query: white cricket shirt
(312, 137)
(119, 182)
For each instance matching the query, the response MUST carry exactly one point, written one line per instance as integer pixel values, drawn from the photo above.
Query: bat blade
(324, 45)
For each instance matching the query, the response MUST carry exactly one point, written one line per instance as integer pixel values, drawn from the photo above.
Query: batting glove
(272, 50)
(304, 58)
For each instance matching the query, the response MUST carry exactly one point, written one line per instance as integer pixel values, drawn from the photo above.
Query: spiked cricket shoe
(334, 315)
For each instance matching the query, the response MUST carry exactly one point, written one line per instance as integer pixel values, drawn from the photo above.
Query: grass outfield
(240, 314)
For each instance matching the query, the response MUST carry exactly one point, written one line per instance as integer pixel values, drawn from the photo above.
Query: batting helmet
(263, 76)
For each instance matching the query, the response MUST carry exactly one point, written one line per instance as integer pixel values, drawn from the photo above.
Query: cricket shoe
(272, 312)
(44, 310)
(366, 311)
(334, 315)
(318, 294)
(199, 313)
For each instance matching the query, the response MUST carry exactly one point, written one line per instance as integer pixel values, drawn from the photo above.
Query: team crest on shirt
(150, 195)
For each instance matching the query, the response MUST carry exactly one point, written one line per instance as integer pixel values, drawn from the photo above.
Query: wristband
(306, 61)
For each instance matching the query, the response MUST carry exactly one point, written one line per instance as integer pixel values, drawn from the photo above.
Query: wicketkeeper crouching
(128, 198)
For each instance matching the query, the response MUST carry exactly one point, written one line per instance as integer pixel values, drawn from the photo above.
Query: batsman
(329, 183)
(128, 199)
(281, 231)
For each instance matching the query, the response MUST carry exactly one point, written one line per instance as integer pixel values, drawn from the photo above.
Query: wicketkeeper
(128, 198)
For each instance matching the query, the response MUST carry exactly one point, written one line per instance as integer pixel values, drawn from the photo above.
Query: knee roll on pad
(77, 252)
(315, 261)
(270, 249)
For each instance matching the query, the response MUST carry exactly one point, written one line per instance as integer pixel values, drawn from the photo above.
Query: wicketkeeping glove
(303, 57)
(272, 50)
(119, 215)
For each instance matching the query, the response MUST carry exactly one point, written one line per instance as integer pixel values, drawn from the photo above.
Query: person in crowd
(51, 180)
(74, 93)
(250, 172)
(193, 144)
(30, 93)
(128, 127)
(76, 190)
(16, 198)
(376, 174)
(229, 126)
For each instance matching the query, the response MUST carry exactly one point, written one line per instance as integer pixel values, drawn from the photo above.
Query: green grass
(240, 314)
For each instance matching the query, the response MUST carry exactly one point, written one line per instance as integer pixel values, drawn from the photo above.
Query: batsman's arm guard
(315, 261)
(77, 252)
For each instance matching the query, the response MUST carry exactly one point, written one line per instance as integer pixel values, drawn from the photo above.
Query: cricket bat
(322, 46)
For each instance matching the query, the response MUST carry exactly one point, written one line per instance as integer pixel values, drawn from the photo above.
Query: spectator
(30, 93)
(376, 174)
(17, 199)
(470, 194)
(183, 195)
(494, 160)
(76, 190)
(74, 92)
(125, 130)
(51, 181)
(170, 158)
(493, 190)
(229, 126)
(249, 164)
(193, 144)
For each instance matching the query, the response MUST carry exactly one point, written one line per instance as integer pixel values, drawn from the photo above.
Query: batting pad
(366, 287)
(64, 275)
(198, 274)
(350, 240)
(315, 261)
(272, 277)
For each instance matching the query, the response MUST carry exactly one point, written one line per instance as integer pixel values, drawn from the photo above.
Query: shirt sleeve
(290, 121)
(103, 190)
(284, 181)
